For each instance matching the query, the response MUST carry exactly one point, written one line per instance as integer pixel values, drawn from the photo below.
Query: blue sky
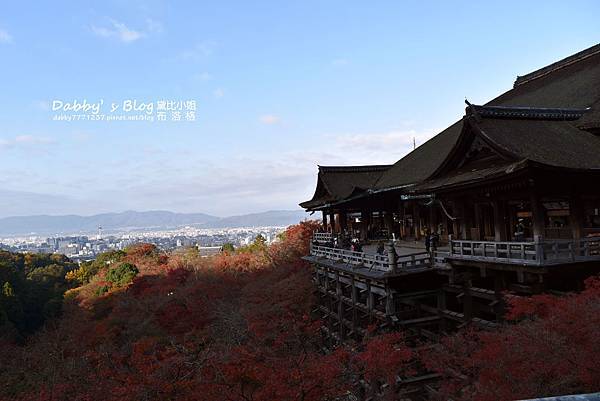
(280, 87)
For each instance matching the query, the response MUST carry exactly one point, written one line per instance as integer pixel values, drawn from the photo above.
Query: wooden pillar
(441, 307)
(462, 219)
(576, 215)
(477, 224)
(499, 288)
(432, 223)
(390, 308)
(467, 299)
(499, 220)
(354, 298)
(538, 215)
(370, 301)
(343, 222)
(389, 222)
(416, 221)
(332, 221)
(324, 221)
(364, 223)
(456, 222)
(403, 220)
(340, 304)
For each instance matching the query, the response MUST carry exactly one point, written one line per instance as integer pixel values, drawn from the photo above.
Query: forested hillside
(32, 288)
(145, 325)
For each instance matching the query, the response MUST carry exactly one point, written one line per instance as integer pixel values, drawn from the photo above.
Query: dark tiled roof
(565, 62)
(538, 120)
(335, 183)
(419, 164)
(462, 177)
(531, 113)
(550, 142)
(572, 83)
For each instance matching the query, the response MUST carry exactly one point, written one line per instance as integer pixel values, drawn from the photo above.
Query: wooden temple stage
(512, 191)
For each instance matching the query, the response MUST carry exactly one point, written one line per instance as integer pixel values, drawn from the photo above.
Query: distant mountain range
(132, 220)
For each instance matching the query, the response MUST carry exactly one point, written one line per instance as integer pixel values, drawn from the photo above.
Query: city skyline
(277, 88)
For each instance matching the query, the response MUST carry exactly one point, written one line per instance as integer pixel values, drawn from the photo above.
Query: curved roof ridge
(362, 168)
(527, 112)
(574, 58)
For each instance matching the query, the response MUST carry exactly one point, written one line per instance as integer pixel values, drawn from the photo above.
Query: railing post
(392, 256)
(571, 253)
(539, 249)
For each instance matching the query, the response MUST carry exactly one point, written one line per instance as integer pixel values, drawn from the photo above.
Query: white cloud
(339, 62)
(5, 37)
(154, 26)
(199, 51)
(119, 31)
(43, 105)
(81, 136)
(218, 93)
(25, 141)
(182, 181)
(269, 119)
(203, 76)
(383, 141)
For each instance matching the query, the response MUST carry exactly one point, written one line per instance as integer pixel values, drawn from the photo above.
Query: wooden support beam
(467, 301)
(354, 299)
(390, 307)
(340, 305)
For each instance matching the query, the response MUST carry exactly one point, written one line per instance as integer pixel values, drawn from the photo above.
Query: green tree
(122, 275)
(228, 247)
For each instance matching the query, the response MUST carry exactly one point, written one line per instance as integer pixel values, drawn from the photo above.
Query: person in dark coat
(519, 230)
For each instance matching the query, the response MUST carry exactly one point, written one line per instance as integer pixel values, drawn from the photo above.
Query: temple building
(511, 190)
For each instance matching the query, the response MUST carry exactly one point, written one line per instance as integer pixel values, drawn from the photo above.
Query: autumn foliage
(551, 347)
(239, 326)
(148, 326)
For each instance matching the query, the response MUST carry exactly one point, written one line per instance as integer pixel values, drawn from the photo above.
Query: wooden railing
(372, 261)
(323, 238)
(539, 252)
(439, 258)
(564, 251)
